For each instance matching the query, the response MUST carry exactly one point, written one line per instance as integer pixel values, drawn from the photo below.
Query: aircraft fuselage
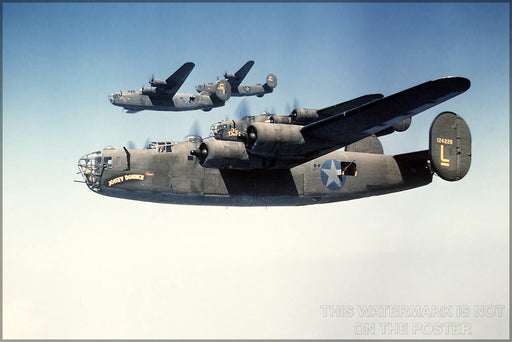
(136, 101)
(171, 175)
(242, 90)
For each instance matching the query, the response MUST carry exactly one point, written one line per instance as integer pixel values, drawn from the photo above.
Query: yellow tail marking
(444, 162)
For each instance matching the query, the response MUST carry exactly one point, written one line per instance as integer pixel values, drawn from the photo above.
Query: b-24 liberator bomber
(163, 96)
(293, 159)
(238, 89)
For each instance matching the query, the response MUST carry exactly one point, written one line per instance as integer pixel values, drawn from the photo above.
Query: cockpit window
(216, 130)
(160, 146)
(108, 161)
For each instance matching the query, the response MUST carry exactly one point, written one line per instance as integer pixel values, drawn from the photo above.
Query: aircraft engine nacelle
(158, 83)
(221, 154)
(280, 119)
(304, 116)
(402, 125)
(398, 127)
(229, 76)
(149, 91)
(263, 137)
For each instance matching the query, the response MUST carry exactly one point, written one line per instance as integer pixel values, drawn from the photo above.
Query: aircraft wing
(240, 74)
(175, 81)
(345, 128)
(345, 106)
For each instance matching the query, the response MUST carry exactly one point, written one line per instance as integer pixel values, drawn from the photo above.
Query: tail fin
(450, 146)
(271, 83)
(222, 91)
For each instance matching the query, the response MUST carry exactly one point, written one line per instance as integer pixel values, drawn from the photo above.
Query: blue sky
(60, 62)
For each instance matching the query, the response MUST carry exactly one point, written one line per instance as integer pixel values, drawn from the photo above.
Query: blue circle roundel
(331, 175)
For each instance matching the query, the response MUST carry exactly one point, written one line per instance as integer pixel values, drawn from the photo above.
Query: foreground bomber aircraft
(294, 159)
(162, 95)
(238, 89)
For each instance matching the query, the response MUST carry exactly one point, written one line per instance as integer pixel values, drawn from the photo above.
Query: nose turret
(113, 97)
(91, 168)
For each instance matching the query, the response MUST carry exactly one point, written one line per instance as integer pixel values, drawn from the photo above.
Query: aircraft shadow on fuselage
(268, 183)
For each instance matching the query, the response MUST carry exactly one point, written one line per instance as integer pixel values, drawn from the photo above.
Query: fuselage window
(108, 162)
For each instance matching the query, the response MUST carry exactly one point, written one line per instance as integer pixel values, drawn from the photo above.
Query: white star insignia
(333, 174)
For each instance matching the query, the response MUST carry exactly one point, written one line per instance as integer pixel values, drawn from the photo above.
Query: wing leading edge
(348, 105)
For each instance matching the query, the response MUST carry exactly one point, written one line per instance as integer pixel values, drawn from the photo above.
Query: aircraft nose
(111, 98)
(91, 168)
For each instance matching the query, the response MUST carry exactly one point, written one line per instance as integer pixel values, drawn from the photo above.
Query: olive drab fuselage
(169, 174)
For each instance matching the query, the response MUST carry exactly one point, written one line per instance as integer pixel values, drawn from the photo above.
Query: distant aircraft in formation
(163, 96)
(238, 89)
(294, 159)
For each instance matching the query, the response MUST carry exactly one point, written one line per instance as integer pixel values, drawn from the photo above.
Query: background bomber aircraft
(272, 160)
(238, 89)
(163, 96)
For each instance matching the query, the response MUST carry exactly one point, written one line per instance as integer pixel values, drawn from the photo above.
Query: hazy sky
(80, 265)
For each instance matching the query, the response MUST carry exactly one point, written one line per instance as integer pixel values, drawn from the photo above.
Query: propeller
(296, 103)
(249, 137)
(200, 153)
(288, 108)
(195, 129)
(131, 145)
(242, 109)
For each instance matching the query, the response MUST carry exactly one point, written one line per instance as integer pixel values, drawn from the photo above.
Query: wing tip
(458, 83)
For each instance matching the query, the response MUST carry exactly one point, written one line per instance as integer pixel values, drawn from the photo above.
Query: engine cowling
(281, 139)
(149, 91)
(303, 116)
(158, 83)
(221, 154)
(398, 127)
(280, 119)
(402, 125)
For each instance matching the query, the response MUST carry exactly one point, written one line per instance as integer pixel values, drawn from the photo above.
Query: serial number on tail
(444, 141)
